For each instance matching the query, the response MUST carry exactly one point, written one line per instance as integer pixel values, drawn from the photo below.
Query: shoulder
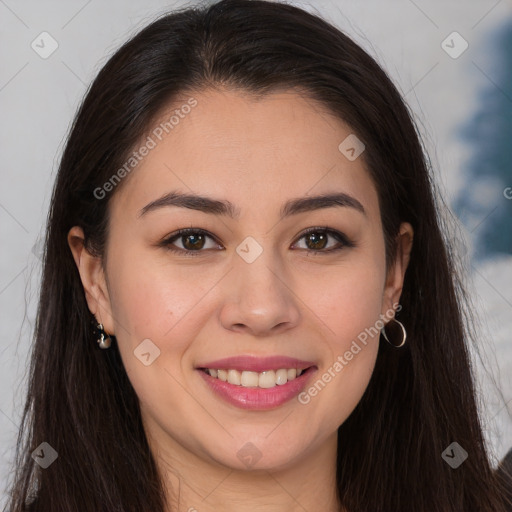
(507, 460)
(505, 468)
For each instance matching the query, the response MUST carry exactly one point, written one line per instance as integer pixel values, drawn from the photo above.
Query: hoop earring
(104, 341)
(404, 333)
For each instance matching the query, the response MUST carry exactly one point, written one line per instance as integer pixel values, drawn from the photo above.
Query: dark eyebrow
(219, 207)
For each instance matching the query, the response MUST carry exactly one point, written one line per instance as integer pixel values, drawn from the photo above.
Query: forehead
(252, 151)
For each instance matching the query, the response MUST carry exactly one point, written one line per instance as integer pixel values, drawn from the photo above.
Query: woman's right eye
(192, 239)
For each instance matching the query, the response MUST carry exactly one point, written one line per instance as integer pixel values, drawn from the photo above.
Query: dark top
(505, 468)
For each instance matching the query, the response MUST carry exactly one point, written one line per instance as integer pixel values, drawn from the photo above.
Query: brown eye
(317, 240)
(193, 240)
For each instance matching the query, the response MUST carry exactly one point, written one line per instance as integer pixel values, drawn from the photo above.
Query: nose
(259, 300)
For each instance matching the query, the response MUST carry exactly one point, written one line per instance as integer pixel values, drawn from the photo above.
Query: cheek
(152, 305)
(153, 312)
(350, 307)
(152, 299)
(348, 300)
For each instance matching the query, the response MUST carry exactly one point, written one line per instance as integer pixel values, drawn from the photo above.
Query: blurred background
(452, 61)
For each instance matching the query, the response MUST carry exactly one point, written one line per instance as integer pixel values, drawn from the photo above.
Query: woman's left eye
(193, 240)
(318, 238)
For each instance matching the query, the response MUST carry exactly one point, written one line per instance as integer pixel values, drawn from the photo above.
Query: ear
(93, 279)
(396, 273)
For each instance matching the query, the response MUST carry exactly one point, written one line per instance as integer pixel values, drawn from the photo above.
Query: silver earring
(104, 340)
(404, 333)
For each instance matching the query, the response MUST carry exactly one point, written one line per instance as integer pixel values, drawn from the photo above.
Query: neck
(195, 484)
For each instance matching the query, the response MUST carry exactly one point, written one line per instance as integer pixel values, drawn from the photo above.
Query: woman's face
(253, 284)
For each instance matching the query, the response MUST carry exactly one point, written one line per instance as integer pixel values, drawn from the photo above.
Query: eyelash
(340, 237)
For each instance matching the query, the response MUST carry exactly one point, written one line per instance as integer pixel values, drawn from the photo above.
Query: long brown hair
(420, 398)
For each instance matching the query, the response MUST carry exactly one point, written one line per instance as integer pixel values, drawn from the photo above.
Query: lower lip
(258, 398)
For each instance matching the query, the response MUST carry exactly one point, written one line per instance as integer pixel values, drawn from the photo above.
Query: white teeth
(234, 377)
(249, 379)
(267, 379)
(282, 377)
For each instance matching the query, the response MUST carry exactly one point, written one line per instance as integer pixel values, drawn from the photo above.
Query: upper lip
(256, 364)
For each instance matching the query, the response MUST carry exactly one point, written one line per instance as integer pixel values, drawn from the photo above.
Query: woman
(247, 300)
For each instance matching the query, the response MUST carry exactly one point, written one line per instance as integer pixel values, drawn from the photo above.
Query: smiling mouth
(249, 379)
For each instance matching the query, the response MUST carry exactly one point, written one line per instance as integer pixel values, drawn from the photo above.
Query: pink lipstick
(257, 383)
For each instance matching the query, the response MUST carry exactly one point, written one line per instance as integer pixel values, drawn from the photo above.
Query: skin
(289, 301)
